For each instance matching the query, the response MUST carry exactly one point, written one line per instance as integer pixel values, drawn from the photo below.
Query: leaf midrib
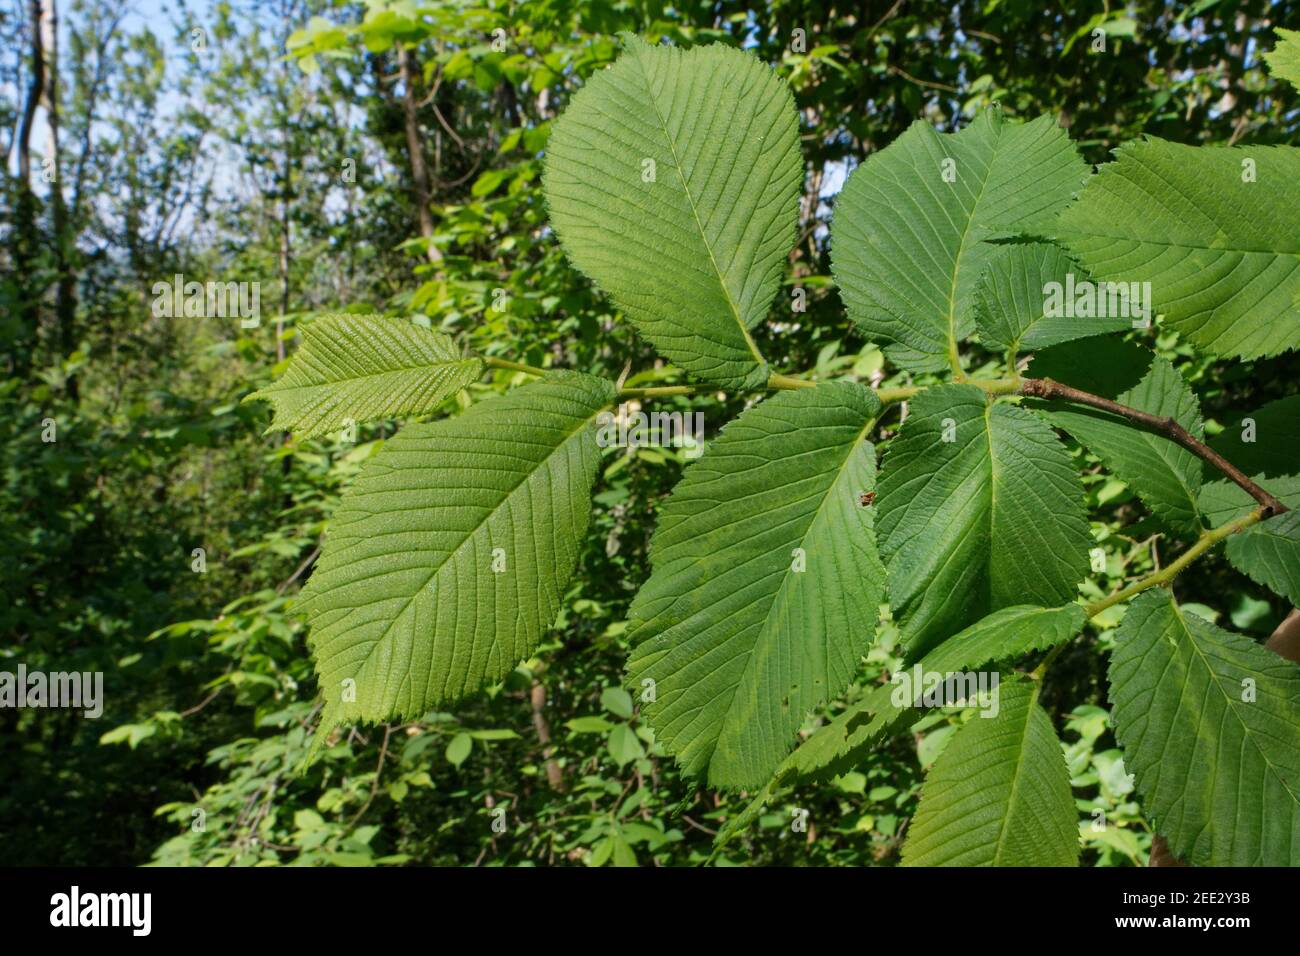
(282, 386)
(953, 353)
(1003, 829)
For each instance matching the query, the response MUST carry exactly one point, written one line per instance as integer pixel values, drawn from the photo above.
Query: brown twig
(306, 563)
(374, 784)
(881, 22)
(699, 826)
(204, 702)
(1162, 425)
(899, 71)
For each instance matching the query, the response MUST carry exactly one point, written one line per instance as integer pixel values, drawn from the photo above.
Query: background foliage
(211, 154)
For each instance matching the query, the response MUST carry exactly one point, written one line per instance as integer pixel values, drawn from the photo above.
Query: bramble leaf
(999, 795)
(980, 508)
(1208, 723)
(1214, 229)
(356, 368)
(908, 237)
(673, 182)
(447, 558)
(766, 586)
(1166, 476)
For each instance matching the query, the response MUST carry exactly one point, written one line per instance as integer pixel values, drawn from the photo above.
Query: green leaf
(624, 855)
(739, 641)
(355, 368)
(980, 508)
(695, 252)
(1214, 230)
(588, 725)
(1002, 636)
(908, 238)
(1269, 553)
(447, 558)
(999, 795)
(1284, 58)
(1207, 720)
(1262, 443)
(459, 748)
(1166, 476)
(1005, 635)
(839, 745)
(932, 743)
(494, 734)
(600, 853)
(617, 701)
(623, 745)
(1221, 501)
(1012, 300)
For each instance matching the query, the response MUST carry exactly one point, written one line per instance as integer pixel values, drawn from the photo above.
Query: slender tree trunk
(285, 190)
(286, 174)
(1285, 640)
(64, 241)
(537, 697)
(34, 93)
(24, 239)
(410, 68)
(284, 259)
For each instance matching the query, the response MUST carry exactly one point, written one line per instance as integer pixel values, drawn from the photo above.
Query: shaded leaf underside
(1166, 476)
(1012, 302)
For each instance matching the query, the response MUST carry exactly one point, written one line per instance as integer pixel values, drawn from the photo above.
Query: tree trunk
(34, 93)
(24, 239)
(554, 776)
(286, 182)
(409, 69)
(64, 242)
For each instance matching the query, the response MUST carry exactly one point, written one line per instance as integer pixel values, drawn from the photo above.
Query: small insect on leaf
(867, 499)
